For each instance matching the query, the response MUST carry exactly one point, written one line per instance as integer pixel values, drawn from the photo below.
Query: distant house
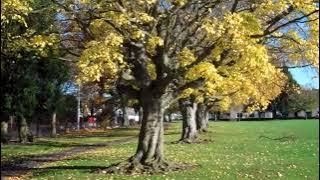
(315, 112)
(236, 112)
(132, 115)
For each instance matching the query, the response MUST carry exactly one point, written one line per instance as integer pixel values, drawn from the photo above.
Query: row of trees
(32, 76)
(199, 54)
(294, 98)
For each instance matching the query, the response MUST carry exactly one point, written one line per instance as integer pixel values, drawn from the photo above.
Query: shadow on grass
(119, 132)
(26, 162)
(38, 172)
(71, 168)
(65, 144)
(46, 170)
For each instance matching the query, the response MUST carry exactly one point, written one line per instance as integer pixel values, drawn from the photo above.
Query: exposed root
(186, 141)
(284, 138)
(132, 166)
(204, 141)
(193, 141)
(200, 131)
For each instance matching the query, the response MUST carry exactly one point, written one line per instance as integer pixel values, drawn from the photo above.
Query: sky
(306, 77)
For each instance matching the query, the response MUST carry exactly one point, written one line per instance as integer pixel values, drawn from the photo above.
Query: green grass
(236, 152)
(43, 146)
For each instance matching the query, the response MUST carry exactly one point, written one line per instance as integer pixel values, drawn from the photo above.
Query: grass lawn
(43, 146)
(235, 152)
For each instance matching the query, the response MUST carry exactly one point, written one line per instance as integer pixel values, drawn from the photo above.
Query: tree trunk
(150, 146)
(189, 126)
(202, 117)
(166, 118)
(4, 132)
(11, 118)
(38, 127)
(23, 130)
(125, 119)
(149, 154)
(170, 116)
(53, 125)
(140, 115)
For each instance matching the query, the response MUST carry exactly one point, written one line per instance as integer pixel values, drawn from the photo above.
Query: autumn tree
(304, 100)
(162, 51)
(281, 102)
(51, 76)
(24, 41)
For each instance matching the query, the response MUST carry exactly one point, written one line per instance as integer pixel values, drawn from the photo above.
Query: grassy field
(43, 146)
(237, 150)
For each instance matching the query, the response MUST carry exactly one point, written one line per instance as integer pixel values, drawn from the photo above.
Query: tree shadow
(23, 163)
(45, 170)
(71, 168)
(118, 132)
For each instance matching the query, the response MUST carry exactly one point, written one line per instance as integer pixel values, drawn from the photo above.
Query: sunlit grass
(43, 146)
(236, 152)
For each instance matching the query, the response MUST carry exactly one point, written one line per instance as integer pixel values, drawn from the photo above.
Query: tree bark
(150, 146)
(11, 118)
(189, 126)
(4, 132)
(53, 125)
(166, 118)
(149, 154)
(125, 119)
(202, 117)
(23, 130)
(170, 116)
(140, 115)
(38, 120)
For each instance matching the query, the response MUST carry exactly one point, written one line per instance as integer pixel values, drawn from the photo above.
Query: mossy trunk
(54, 125)
(202, 117)
(189, 127)
(4, 132)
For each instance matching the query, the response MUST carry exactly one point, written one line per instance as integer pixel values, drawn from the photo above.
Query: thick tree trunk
(189, 126)
(23, 130)
(53, 125)
(150, 146)
(149, 154)
(4, 132)
(202, 117)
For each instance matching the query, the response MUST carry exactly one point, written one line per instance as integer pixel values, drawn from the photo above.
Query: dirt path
(24, 165)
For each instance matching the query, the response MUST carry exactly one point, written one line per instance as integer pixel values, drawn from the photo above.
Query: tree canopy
(225, 52)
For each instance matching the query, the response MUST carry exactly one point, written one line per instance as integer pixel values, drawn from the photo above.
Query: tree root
(284, 138)
(194, 141)
(200, 131)
(132, 166)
